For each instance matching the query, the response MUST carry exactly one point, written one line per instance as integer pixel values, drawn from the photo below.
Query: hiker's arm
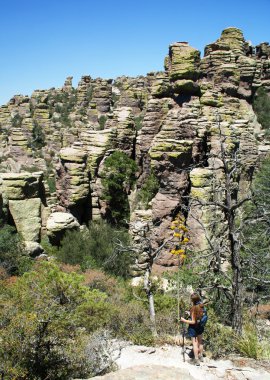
(206, 302)
(189, 321)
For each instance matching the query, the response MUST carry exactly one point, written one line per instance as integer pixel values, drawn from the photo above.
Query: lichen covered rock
(183, 61)
(58, 223)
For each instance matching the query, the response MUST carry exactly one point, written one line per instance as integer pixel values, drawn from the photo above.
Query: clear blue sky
(44, 41)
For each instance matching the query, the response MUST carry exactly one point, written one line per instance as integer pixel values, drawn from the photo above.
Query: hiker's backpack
(204, 317)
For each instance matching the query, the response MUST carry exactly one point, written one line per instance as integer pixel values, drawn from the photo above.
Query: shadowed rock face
(170, 122)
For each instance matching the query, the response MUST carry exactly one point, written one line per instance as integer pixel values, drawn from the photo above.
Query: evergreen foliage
(101, 246)
(16, 121)
(138, 122)
(63, 103)
(102, 121)
(12, 256)
(118, 177)
(148, 189)
(51, 181)
(45, 318)
(38, 137)
(256, 233)
(261, 106)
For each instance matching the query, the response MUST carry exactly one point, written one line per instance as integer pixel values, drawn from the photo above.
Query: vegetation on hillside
(261, 106)
(99, 246)
(118, 177)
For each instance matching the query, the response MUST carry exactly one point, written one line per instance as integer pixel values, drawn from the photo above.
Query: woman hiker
(196, 326)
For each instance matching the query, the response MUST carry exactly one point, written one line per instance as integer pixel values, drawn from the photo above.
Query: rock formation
(170, 122)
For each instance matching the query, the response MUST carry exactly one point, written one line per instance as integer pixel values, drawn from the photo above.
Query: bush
(250, 345)
(261, 106)
(149, 189)
(219, 339)
(74, 249)
(16, 121)
(96, 279)
(110, 248)
(131, 322)
(38, 137)
(102, 121)
(45, 316)
(12, 255)
(138, 122)
(100, 246)
(51, 184)
(255, 234)
(118, 177)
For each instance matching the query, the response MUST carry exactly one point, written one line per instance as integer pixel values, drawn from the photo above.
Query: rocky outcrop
(24, 199)
(169, 122)
(72, 182)
(58, 223)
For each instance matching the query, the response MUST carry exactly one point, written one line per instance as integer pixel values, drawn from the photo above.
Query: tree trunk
(150, 296)
(237, 281)
(237, 290)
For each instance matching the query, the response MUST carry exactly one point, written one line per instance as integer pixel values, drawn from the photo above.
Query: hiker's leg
(200, 344)
(195, 347)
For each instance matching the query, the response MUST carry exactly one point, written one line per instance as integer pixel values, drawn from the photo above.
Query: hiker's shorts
(194, 331)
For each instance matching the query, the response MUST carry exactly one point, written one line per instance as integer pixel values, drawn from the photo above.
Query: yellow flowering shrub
(180, 238)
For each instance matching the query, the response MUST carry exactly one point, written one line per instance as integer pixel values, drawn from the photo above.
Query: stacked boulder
(23, 197)
(72, 182)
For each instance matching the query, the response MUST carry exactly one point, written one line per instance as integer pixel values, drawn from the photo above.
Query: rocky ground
(166, 363)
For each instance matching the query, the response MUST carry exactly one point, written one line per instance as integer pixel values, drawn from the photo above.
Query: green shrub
(250, 346)
(52, 184)
(118, 177)
(45, 316)
(12, 254)
(73, 248)
(100, 246)
(102, 120)
(132, 322)
(218, 339)
(38, 137)
(89, 93)
(138, 122)
(261, 106)
(148, 190)
(109, 247)
(16, 121)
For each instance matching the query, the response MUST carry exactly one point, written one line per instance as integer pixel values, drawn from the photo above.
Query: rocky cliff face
(170, 122)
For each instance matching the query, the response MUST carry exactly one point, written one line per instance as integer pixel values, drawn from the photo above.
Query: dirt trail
(160, 363)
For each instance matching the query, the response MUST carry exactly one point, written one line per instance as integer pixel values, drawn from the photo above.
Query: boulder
(27, 217)
(18, 186)
(183, 61)
(58, 223)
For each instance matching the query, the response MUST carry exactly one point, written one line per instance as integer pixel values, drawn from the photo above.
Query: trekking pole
(183, 341)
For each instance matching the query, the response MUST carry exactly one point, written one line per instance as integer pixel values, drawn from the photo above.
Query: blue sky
(44, 41)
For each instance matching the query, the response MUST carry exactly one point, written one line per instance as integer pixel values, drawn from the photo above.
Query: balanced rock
(17, 186)
(182, 62)
(72, 178)
(58, 223)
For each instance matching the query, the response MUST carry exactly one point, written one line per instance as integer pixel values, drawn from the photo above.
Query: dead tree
(225, 198)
